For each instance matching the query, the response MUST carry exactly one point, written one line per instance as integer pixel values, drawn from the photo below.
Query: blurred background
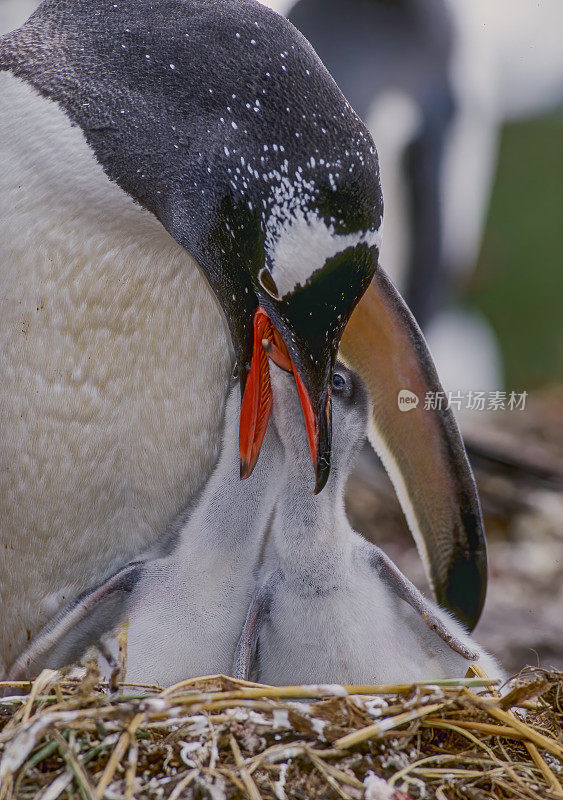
(464, 99)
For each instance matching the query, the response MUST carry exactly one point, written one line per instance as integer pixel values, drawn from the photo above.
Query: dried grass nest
(218, 738)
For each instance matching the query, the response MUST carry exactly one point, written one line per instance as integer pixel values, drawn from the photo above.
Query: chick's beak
(257, 403)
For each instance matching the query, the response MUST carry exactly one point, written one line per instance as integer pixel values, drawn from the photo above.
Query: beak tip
(245, 470)
(322, 471)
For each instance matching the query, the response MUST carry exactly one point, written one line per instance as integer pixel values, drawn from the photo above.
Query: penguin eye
(268, 283)
(339, 382)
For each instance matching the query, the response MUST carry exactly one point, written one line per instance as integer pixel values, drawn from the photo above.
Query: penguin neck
(311, 532)
(232, 514)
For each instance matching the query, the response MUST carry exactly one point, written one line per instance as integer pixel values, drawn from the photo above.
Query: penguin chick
(185, 610)
(336, 609)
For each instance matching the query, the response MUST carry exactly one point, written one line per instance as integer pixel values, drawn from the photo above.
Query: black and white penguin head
(219, 118)
(350, 410)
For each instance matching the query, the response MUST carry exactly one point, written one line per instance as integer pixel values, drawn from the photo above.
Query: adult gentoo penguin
(168, 169)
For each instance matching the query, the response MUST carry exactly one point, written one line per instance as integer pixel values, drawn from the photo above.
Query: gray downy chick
(336, 609)
(185, 611)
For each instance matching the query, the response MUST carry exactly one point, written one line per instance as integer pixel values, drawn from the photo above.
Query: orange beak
(257, 400)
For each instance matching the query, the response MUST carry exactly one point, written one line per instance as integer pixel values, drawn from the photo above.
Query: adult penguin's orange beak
(257, 399)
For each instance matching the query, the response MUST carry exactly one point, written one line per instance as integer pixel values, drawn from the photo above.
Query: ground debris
(220, 739)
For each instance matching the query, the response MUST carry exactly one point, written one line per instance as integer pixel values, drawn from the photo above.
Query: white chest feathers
(114, 364)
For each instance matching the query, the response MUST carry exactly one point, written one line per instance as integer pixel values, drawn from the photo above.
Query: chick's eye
(338, 381)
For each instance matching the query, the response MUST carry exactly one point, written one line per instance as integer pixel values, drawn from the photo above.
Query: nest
(218, 738)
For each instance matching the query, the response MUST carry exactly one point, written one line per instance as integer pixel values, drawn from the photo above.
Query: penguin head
(320, 254)
(320, 249)
(349, 421)
(295, 227)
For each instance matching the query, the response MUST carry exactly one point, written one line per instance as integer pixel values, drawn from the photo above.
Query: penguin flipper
(392, 576)
(80, 624)
(246, 648)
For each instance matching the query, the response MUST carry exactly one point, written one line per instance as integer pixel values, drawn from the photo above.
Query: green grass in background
(518, 283)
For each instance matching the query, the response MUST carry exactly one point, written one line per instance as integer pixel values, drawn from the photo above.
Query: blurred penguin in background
(434, 80)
